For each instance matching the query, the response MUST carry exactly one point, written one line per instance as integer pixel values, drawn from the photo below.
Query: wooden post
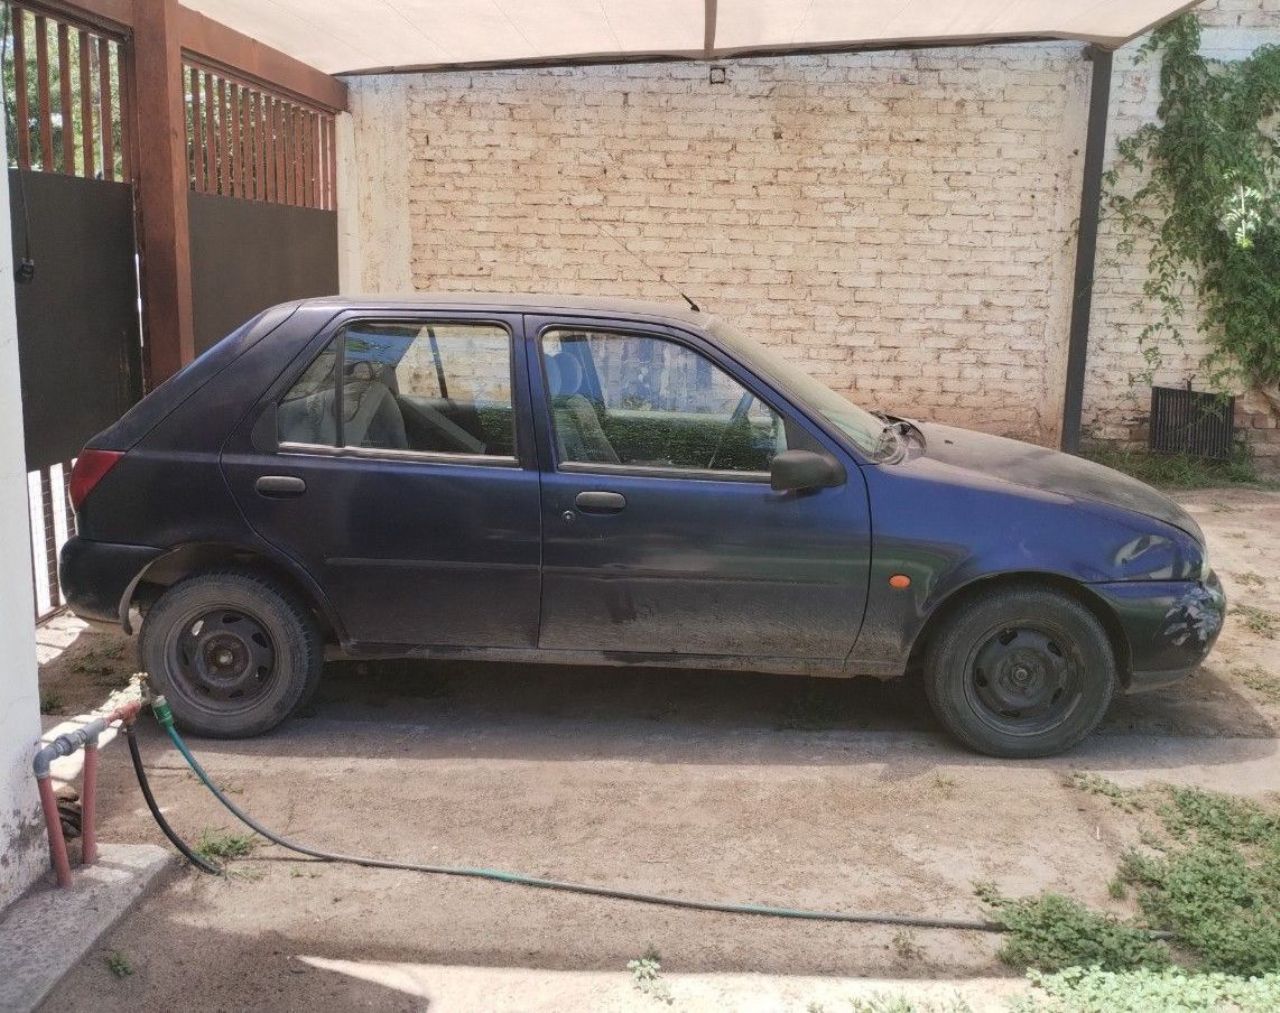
(160, 114)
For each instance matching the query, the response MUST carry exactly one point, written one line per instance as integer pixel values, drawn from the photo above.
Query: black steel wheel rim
(221, 659)
(1024, 678)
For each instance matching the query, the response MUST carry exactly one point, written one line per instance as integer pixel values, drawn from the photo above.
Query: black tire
(1020, 672)
(234, 653)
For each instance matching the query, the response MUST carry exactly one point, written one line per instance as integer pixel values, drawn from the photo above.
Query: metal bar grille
(1184, 421)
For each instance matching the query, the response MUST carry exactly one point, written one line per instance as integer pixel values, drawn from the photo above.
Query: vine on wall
(1209, 205)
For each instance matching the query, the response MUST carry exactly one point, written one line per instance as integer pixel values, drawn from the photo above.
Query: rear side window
(440, 388)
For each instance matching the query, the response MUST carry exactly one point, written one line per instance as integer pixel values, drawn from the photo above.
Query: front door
(661, 534)
(396, 467)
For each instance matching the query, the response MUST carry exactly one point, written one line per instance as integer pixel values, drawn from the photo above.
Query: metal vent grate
(1184, 421)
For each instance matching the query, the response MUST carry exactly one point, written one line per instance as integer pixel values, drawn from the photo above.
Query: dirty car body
(551, 479)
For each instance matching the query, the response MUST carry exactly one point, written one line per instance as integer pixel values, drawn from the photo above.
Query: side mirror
(797, 470)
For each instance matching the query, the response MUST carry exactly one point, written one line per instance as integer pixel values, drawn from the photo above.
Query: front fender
(945, 535)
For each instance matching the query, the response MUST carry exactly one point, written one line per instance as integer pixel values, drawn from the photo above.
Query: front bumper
(96, 577)
(1170, 625)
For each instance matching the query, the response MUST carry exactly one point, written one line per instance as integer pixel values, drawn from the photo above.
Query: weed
(1096, 784)
(222, 846)
(50, 703)
(1249, 579)
(945, 785)
(1086, 990)
(646, 976)
(118, 964)
(882, 1003)
(1181, 471)
(1116, 889)
(1261, 681)
(1259, 621)
(1052, 932)
(1217, 884)
(905, 945)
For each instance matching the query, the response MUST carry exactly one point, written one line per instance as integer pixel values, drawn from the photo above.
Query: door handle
(600, 502)
(279, 486)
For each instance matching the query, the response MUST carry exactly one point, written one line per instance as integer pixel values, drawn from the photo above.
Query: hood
(1033, 467)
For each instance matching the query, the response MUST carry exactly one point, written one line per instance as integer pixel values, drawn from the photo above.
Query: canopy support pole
(1086, 246)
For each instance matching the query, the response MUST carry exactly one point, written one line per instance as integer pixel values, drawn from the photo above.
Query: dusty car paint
(707, 570)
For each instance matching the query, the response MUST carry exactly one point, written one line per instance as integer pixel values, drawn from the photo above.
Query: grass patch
(1262, 682)
(51, 703)
(880, 1003)
(221, 846)
(1081, 990)
(1096, 784)
(1259, 621)
(1249, 579)
(1216, 883)
(118, 964)
(1209, 874)
(1051, 932)
(1181, 471)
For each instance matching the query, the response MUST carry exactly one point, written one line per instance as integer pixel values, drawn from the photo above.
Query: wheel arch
(191, 558)
(1073, 589)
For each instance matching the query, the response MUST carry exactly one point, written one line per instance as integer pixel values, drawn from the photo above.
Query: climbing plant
(1209, 205)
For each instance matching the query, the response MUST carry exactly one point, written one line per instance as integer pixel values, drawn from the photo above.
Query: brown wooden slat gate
(262, 207)
(79, 339)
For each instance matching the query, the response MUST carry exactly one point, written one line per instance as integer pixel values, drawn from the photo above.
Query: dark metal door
(666, 563)
(412, 549)
(78, 341)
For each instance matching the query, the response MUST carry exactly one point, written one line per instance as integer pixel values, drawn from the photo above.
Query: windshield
(865, 430)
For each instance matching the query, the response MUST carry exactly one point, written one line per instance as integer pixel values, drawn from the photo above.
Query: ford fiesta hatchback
(610, 483)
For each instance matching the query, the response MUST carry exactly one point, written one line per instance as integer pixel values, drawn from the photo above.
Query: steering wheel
(739, 413)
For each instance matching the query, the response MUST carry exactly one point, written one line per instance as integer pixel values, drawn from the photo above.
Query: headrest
(564, 374)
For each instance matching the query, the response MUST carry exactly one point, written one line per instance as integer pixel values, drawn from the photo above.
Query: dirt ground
(821, 794)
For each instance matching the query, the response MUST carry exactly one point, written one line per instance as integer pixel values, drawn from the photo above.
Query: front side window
(442, 388)
(645, 401)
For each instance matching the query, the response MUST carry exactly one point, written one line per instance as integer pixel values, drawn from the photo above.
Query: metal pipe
(89, 805)
(85, 737)
(53, 824)
(1095, 148)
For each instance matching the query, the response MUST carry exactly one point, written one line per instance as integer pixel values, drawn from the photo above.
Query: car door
(394, 462)
(661, 533)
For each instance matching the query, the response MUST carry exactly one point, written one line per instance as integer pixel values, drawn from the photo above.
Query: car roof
(506, 302)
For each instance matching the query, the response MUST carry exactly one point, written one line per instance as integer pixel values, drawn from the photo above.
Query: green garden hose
(165, 716)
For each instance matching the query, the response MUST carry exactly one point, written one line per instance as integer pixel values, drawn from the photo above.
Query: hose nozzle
(160, 707)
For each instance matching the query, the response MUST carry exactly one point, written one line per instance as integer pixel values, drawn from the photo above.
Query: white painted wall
(23, 851)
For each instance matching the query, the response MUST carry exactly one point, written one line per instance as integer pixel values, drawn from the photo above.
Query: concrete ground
(712, 785)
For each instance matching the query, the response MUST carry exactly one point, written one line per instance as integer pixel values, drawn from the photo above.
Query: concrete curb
(48, 931)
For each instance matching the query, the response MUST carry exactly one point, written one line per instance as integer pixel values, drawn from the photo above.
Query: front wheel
(234, 653)
(1020, 672)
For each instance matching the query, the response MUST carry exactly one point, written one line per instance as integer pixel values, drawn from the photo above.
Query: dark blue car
(600, 482)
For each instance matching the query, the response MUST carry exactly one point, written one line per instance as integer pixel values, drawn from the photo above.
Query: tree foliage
(1209, 204)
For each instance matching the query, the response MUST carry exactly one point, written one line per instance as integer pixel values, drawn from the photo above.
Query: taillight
(89, 468)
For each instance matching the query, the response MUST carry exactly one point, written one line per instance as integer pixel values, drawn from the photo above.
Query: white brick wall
(901, 222)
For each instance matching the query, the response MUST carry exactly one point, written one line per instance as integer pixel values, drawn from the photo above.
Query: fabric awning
(364, 36)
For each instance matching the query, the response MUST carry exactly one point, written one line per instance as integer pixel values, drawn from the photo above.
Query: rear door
(394, 462)
(661, 532)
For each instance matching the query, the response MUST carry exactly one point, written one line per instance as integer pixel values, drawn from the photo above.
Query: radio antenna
(611, 235)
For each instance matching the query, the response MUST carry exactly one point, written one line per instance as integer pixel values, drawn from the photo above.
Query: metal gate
(75, 257)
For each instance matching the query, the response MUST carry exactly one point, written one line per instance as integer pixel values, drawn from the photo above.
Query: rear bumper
(1170, 625)
(97, 576)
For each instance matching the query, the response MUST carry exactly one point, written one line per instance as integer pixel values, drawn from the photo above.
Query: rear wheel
(234, 653)
(1020, 672)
